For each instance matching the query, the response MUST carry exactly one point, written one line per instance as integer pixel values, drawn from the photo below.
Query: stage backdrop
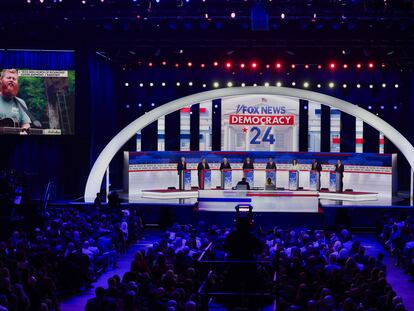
(158, 170)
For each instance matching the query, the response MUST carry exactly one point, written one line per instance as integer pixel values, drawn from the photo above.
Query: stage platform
(219, 200)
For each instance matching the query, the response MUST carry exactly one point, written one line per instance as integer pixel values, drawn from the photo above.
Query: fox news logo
(260, 109)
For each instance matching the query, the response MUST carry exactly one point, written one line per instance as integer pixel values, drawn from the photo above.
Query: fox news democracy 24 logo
(261, 115)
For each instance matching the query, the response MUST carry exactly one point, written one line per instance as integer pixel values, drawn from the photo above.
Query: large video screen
(37, 102)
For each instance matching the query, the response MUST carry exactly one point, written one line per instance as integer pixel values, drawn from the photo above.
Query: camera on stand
(244, 215)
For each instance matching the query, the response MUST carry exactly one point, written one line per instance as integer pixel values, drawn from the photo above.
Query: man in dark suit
(316, 166)
(248, 164)
(339, 169)
(225, 165)
(203, 165)
(181, 166)
(243, 184)
(270, 165)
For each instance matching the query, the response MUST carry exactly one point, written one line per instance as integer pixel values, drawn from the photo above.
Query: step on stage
(300, 201)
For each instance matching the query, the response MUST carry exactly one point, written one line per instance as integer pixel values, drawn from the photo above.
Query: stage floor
(263, 201)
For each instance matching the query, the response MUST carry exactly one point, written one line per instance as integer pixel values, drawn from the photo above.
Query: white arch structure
(97, 173)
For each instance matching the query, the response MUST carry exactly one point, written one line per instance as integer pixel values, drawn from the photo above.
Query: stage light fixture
(228, 65)
(359, 66)
(127, 106)
(190, 83)
(382, 107)
(371, 86)
(318, 86)
(164, 63)
(150, 64)
(177, 65)
(331, 85)
(141, 84)
(152, 104)
(384, 85)
(395, 107)
(332, 65)
(139, 105)
(126, 84)
(369, 107)
(306, 85)
(243, 84)
(216, 84)
(278, 84)
(266, 84)
(178, 84)
(282, 16)
(189, 64)
(396, 86)
(293, 83)
(267, 66)
(254, 65)
(215, 64)
(278, 65)
(255, 84)
(215, 106)
(293, 66)
(345, 66)
(371, 65)
(319, 66)
(383, 65)
(151, 84)
(344, 86)
(242, 65)
(233, 15)
(306, 66)
(206, 15)
(202, 65)
(163, 83)
(358, 86)
(204, 85)
(229, 84)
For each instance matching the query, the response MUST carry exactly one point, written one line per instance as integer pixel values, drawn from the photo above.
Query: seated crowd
(396, 233)
(62, 255)
(316, 270)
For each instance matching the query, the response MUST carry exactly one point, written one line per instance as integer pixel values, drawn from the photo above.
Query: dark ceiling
(128, 31)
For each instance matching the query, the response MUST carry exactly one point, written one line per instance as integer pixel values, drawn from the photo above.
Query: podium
(272, 175)
(204, 179)
(184, 179)
(249, 175)
(226, 179)
(293, 180)
(335, 181)
(314, 180)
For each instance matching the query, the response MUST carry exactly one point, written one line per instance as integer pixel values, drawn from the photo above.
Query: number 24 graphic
(267, 137)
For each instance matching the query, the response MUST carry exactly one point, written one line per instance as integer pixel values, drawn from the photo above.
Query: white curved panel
(97, 173)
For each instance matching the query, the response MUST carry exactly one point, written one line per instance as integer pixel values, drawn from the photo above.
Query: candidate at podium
(295, 165)
(339, 169)
(316, 166)
(270, 165)
(202, 166)
(182, 165)
(225, 165)
(248, 164)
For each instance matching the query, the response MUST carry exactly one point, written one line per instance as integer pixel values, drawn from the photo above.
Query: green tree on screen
(32, 91)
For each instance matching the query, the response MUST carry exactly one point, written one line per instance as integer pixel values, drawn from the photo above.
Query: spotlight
(293, 83)
(306, 66)
(371, 65)
(228, 65)
(345, 66)
(332, 65)
(278, 84)
(189, 64)
(151, 84)
(233, 15)
(216, 84)
(152, 104)
(178, 84)
(202, 65)
(396, 86)
(358, 86)
(126, 84)
(177, 65)
(359, 66)
(306, 85)
(215, 64)
(254, 65)
(278, 65)
(266, 84)
(141, 85)
(229, 84)
(344, 86)
(190, 83)
(319, 66)
(382, 107)
(243, 84)
(242, 65)
(293, 66)
(371, 86)
(383, 85)
(204, 85)
(369, 107)
(318, 86)
(255, 84)
(267, 66)
(331, 85)
(282, 16)
(395, 107)
(164, 63)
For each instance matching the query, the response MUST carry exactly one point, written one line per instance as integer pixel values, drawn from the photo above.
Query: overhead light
(306, 85)
(216, 84)
(331, 85)
(229, 84)
(279, 84)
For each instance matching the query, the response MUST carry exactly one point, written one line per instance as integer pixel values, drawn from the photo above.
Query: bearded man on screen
(11, 111)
